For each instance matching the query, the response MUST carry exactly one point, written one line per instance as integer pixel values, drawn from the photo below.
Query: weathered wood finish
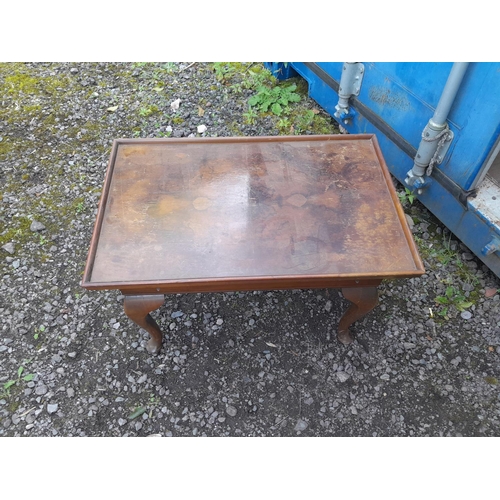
(137, 308)
(363, 301)
(259, 213)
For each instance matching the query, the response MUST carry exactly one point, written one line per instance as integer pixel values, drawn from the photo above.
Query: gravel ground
(233, 364)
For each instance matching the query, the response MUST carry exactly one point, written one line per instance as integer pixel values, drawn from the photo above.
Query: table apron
(238, 286)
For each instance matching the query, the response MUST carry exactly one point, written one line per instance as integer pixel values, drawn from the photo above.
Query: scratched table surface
(223, 210)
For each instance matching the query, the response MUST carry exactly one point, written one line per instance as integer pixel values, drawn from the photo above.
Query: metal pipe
(436, 132)
(350, 84)
(449, 93)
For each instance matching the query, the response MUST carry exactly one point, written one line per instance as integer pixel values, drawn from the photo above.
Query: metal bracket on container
(350, 85)
(492, 247)
(445, 138)
(431, 152)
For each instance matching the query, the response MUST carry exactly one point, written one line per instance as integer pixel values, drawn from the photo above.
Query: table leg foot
(363, 301)
(137, 308)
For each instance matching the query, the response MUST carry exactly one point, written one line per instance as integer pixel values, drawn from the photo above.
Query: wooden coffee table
(248, 213)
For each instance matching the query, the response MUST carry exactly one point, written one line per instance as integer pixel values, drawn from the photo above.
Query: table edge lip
(372, 138)
(242, 139)
(232, 283)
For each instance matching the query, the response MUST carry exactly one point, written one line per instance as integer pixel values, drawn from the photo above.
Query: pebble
(342, 376)
(52, 408)
(466, 314)
(36, 226)
(231, 411)
(301, 425)
(41, 390)
(9, 247)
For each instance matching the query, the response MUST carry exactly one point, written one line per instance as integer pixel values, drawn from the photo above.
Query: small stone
(116, 326)
(52, 408)
(385, 376)
(328, 306)
(16, 264)
(9, 247)
(342, 376)
(308, 401)
(142, 379)
(70, 392)
(73, 71)
(201, 129)
(231, 411)
(410, 221)
(177, 314)
(72, 354)
(174, 105)
(409, 345)
(121, 422)
(36, 226)
(220, 321)
(301, 425)
(466, 314)
(41, 390)
(251, 322)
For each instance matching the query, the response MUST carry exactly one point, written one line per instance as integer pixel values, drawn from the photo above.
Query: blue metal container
(395, 101)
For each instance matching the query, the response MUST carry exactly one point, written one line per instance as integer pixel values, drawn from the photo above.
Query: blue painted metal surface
(395, 102)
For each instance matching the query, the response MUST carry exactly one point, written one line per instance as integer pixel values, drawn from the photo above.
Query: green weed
(20, 377)
(406, 197)
(148, 110)
(452, 297)
(250, 117)
(274, 99)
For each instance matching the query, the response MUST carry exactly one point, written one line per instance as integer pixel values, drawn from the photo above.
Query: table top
(201, 214)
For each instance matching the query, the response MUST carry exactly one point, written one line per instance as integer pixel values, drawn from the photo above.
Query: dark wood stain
(248, 213)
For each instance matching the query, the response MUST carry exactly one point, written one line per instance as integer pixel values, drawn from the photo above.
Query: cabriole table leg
(137, 308)
(363, 301)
